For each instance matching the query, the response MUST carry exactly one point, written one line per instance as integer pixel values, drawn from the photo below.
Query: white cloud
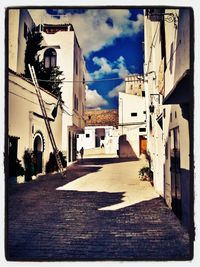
(138, 24)
(119, 88)
(94, 100)
(92, 28)
(107, 67)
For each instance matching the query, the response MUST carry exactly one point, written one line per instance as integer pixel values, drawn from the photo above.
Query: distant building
(100, 131)
(134, 85)
(132, 125)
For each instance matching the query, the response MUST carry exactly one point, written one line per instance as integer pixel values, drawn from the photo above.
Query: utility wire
(88, 81)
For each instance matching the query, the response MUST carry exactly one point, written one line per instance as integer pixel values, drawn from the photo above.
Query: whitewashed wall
(23, 123)
(130, 125)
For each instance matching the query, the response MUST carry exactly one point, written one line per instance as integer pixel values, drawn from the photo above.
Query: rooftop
(108, 117)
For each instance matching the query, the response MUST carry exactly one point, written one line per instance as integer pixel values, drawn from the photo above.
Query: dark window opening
(87, 135)
(133, 114)
(144, 112)
(76, 67)
(163, 41)
(102, 137)
(25, 30)
(142, 129)
(50, 56)
(77, 136)
(143, 93)
(89, 117)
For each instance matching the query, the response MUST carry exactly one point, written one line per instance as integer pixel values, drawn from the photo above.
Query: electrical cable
(87, 81)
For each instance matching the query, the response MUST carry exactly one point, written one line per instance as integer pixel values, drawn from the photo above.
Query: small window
(134, 114)
(25, 30)
(144, 112)
(142, 129)
(170, 117)
(87, 135)
(89, 117)
(164, 113)
(76, 67)
(102, 137)
(143, 93)
(77, 136)
(50, 58)
(77, 103)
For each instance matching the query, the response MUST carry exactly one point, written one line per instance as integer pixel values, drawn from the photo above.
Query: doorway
(175, 172)
(143, 144)
(37, 153)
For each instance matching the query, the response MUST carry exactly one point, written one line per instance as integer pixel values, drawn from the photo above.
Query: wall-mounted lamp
(155, 15)
(153, 98)
(150, 72)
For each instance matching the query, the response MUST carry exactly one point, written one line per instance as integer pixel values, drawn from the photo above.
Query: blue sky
(111, 41)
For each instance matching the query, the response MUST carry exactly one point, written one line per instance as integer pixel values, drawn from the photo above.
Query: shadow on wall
(125, 149)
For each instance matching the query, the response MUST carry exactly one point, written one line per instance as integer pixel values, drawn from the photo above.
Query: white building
(100, 132)
(25, 117)
(132, 125)
(19, 24)
(62, 49)
(169, 98)
(26, 127)
(105, 137)
(134, 85)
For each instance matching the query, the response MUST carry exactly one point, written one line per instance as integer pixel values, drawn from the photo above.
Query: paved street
(99, 211)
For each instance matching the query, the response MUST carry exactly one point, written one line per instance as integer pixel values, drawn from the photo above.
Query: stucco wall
(22, 123)
(130, 125)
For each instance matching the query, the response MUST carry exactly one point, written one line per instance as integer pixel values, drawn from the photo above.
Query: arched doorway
(38, 148)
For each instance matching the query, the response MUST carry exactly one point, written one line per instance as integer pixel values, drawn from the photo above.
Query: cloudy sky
(111, 41)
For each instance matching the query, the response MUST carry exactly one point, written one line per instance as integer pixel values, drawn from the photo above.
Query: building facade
(169, 99)
(132, 125)
(101, 131)
(132, 117)
(26, 126)
(62, 49)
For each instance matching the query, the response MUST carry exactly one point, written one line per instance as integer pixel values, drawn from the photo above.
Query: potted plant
(146, 174)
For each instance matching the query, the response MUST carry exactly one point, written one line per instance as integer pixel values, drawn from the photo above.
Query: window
(142, 129)
(50, 57)
(134, 114)
(77, 103)
(77, 136)
(102, 137)
(143, 93)
(76, 67)
(144, 112)
(87, 135)
(163, 41)
(25, 30)
(89, 117)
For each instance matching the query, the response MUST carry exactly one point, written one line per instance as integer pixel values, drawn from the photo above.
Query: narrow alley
(100, 210)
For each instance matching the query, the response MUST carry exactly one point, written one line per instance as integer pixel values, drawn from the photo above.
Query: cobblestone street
(48, 224)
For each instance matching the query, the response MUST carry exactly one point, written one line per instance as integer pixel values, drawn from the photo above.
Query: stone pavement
(46, 224)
